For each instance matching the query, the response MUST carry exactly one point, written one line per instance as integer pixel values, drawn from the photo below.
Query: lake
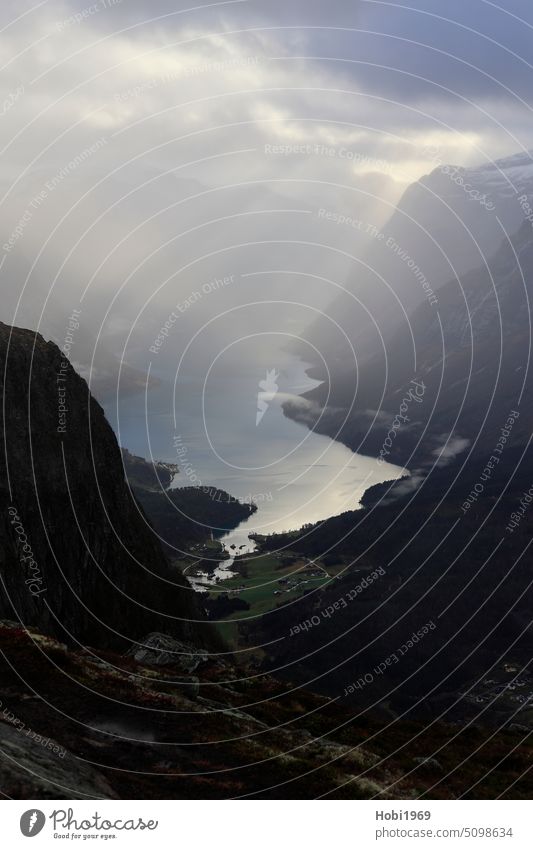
(230, 432)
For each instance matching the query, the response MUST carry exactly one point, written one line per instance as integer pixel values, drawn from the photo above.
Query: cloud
(404, 487)
(448, 449)
(451, 447)
(408, 52)
(308, 412)
(143, 159)
(134, 175)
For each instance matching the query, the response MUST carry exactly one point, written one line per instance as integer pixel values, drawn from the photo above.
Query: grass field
(260, 587)
(258, 584)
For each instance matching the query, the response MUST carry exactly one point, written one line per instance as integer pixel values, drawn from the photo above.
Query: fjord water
(212, 430)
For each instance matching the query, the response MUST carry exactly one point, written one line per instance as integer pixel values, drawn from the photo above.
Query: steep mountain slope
(445, 225)
(472, 355)
(77, 557)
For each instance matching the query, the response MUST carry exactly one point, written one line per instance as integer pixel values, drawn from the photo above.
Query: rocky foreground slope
(190, 726)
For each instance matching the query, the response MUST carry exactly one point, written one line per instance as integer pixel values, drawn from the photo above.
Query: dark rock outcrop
(78, 558)
(32, 767)
(160, 650)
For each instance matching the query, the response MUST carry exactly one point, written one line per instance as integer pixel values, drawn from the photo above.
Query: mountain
(450, 397)
(429, 613)
(470, 353)
(445, 225)
(78, 558)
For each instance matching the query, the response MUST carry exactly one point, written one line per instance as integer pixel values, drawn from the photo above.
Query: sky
(166, 168)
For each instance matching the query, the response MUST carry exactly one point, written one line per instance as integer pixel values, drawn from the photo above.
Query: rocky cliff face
(78, 558)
